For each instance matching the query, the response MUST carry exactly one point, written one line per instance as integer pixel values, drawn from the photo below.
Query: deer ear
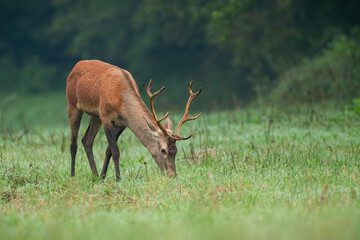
(168, 124)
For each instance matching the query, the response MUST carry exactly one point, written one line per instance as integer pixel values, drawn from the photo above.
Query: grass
(255, 173)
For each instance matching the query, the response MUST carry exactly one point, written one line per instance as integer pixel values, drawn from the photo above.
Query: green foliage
(255, 173)
(35, 76)
(334, 74)
(240, 45)
(8, 73)
(356, 105)
(32, 76)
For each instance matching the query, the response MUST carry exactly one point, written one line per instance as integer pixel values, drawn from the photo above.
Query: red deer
(111, 97)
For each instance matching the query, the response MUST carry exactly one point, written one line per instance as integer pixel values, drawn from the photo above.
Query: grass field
(254, 173)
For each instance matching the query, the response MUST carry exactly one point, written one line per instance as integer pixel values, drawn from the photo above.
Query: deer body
(111, 97)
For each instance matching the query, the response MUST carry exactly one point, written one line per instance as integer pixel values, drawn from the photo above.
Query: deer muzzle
(170, 173)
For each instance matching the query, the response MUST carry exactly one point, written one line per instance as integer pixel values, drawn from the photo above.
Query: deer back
(94, 86)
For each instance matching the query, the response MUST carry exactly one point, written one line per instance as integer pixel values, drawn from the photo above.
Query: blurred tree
(239, 46)
(267, 37)
(92, 29)
(333, 74)
(20, 28)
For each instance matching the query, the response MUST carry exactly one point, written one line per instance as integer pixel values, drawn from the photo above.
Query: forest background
(285, 51)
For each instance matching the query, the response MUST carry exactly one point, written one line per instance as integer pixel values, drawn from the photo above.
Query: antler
(152, 96)
(185, 118)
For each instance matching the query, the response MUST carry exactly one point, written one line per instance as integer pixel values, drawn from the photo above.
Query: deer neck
(142, 123)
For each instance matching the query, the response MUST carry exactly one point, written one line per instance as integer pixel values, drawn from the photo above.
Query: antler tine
(152, 96)
(164, 117)
(185, 118)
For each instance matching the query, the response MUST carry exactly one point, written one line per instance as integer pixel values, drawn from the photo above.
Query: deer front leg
(111, 137)
(88, 140)
(118, 132)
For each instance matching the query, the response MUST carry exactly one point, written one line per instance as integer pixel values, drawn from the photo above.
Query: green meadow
(255, 172)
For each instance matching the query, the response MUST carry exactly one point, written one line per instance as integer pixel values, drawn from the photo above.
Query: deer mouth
(169, 170)
(170, 173)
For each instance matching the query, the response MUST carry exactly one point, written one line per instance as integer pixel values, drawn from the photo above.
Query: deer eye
(163, 151)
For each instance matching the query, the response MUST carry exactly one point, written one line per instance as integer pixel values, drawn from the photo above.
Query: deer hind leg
(118, 132)
(88, 140)
(74, 115)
